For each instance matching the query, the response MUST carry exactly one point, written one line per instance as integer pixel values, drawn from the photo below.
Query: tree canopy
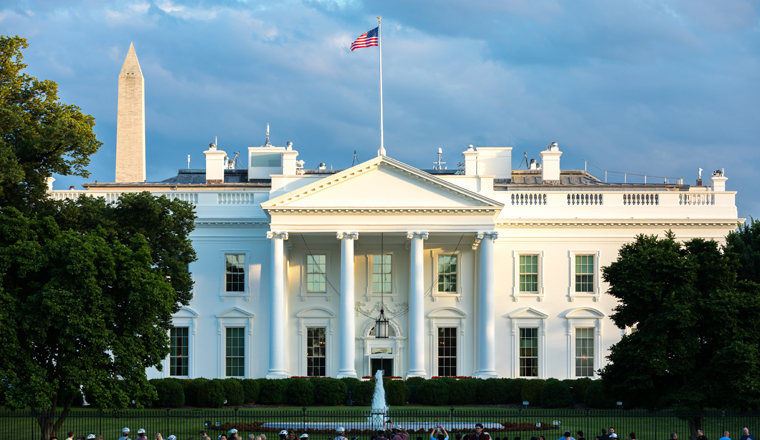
(695, 341)
(87, 287)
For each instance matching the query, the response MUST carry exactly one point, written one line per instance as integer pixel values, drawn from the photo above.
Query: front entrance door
(385, 364)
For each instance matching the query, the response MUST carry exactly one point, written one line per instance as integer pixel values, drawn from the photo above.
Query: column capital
(277, 234)
(347, 235)
(412, 235)
(493, 235)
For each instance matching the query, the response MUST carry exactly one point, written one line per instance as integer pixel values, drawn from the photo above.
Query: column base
(486, 375)
(348, 373)
(277, 375)
(416, 373)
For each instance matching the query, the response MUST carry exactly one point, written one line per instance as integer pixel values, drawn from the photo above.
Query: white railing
(235, 198)
(112, 197)
(190, 197)
(641, 199)
(584, 199)
(529, 199)
(696, 199)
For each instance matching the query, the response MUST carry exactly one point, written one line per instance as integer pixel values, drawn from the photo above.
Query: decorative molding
(347, 235)
(516, 294)
(480, 236)
(412, 235)
(617, 223)
(230, 223)
(385, 210)
(277, 235)
(372, 313)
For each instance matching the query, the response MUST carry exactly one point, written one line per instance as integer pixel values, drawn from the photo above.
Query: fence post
(588, 422)
(100, 420)
(167, 423)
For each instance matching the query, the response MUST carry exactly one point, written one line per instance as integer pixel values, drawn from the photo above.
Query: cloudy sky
(659, 87)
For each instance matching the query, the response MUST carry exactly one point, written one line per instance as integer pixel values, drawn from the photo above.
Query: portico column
(416, 305)
(486, 320)
(277, 318)
(347, 312)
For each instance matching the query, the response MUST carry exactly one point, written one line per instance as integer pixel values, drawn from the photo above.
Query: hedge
(273, 391)
(579, 389)
(416, 380)
(363, 392)
(250, 390)
(433, 392)
(329, 392)
(595, 396)
(233, 391)
(397, 393)
(514, 390)
(463, 392)
(170, 393)
(300, 392)
(531, 391)
(350, 382)
(492, 392)
(191, 391)
(555, 394)
(211, 394)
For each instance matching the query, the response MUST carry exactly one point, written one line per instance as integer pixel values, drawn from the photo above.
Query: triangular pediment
(235, 312)
(382, 183)
(527, 313)
(584, 313)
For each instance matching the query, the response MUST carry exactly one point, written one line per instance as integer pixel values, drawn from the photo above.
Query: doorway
(385, 364)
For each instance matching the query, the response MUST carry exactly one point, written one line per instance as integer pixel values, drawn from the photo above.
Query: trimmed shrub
(191, 391)
(433, 392)
(531, 391)
(363, 392)
(350, 382)
(579, 389)
(492, 391)
(170, 393)
(514, 390)
(273, 391)
(330, 392)
(300, 392)
(211, 394)
(555, 394)
(233, 391)
(397, 393)
(413, 398)
(415, 381)
(463, 392)
(250, 390)
(595, 396)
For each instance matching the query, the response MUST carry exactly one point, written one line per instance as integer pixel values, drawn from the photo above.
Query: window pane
(315, 351)
(528, 352)
(381, 273)
(584, 352)
(178, 359)
(447, 273)
(584, 273)
(316, 269)
(235, 352)
(235, 273)
(447, 351)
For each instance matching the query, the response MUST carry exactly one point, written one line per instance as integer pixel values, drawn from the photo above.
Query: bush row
(215, 393)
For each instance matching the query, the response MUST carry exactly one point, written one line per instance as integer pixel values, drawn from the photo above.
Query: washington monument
(130, 125)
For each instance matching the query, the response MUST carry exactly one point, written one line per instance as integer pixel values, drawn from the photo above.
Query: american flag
(366, 40)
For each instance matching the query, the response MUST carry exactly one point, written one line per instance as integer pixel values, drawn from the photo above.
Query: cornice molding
(711, 223)
(386, 210)
(230, 223)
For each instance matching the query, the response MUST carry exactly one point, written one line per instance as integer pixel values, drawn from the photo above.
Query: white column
(486, 303)
(416, 305)
(347, 312)
(277, 318)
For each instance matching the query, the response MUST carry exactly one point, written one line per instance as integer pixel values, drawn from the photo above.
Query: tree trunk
(47, 427)
(694, 424)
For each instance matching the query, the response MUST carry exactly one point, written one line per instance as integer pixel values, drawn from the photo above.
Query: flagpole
(380, 152)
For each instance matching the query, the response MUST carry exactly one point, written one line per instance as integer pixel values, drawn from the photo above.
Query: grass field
(320, 422)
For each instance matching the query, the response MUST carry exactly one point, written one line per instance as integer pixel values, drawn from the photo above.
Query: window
(235, 366)
(316, 268)
(447, 273)
(584, 352)
(178, 359)
(235, 273)
(528, 273)
(315, 351)
(381, 273)
(447, 351)
(528, 352)
(584, 273)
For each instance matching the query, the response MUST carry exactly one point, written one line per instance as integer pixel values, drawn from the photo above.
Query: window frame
(520, 356)
(456, 357)
(235, 317)
(574, 335)
(516, 293)
(596, 278)
(435, 294)
(185, 317)
(584, 317)
(308, 327)
(169, 364)
(315, 317)
(446, 317)
(393, 295)
(327, 294)
(528, 318)
(245, 351)
(246, 293)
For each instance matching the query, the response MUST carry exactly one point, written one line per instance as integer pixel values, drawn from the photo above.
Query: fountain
(379, 410)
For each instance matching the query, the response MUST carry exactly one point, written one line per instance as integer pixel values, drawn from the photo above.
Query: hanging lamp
(381, 324)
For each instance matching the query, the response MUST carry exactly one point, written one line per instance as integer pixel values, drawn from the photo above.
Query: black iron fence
(500, 423)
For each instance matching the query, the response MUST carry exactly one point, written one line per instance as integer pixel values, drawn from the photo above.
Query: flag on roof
(366, 40)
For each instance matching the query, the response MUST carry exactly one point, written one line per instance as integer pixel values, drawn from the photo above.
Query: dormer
(269, 160)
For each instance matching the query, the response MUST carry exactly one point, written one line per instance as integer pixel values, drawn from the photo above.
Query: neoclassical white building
(483, 271)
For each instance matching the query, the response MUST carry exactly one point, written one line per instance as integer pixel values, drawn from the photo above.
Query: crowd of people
(438, 432)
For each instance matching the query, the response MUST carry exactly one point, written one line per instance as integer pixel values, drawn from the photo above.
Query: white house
(484, 271)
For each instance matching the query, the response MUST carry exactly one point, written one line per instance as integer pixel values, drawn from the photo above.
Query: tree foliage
(87, 288)
(39, 135)
(744, 243)
(696, 343)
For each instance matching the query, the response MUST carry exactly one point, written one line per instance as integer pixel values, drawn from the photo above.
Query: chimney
(50, 181)
(470, 161)
(214, 164)
(550, 164)
(718, 181)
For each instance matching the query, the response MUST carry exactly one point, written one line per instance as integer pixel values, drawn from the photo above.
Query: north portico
(398, 209)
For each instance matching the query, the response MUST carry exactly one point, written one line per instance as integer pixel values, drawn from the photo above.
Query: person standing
(439, 433)
(726, 436)
(566, 436)
(125, 434)
(746, 435)
(341, 431)
(673, 436)
(479, 434)
(381, 435)
(701, 435)
(580, 435)
(141, 435)
(604, 435)
(70, 435)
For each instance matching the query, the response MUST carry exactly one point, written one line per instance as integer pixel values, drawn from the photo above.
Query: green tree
(39, 135)
(87, 288)
(744, 242)
(695, 343)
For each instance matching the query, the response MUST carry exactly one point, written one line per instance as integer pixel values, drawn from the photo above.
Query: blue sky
(644, 86)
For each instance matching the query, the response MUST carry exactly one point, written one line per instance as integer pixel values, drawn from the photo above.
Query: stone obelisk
(130, 124)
